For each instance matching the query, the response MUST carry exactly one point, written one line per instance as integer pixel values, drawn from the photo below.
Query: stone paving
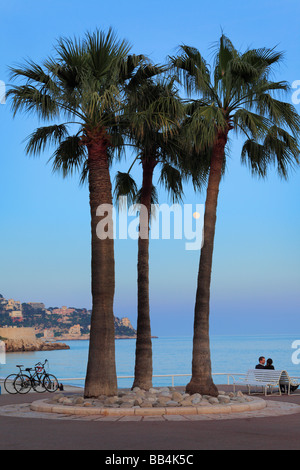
(273, 409)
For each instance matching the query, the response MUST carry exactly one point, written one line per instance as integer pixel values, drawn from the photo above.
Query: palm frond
(281, 113)
(84, 82)
(256, 157)
(250, 123)
(262, 59)
(283, 149)
(278, 149)
(28, 99)
(84, 173)
(243, 98)
(35, 75)
(193, 72)
(171, 180)
(225, 53)
(203, 124)
(154, 196)
(69, 157)
(45, 136)
(196, 165)
(102, 45)
(144, 72)
(125, 186)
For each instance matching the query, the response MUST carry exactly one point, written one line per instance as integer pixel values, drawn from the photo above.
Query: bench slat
(262, 378)
(266, 378)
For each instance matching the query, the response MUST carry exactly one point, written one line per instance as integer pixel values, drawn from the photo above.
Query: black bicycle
(37, 379)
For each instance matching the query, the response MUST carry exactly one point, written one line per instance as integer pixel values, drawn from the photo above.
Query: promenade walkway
(276, 427)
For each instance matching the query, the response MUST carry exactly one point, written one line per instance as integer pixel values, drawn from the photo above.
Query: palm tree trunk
(202, 381)
(143, 358)
(101, 376)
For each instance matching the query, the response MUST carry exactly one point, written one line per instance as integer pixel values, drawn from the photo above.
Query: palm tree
(237, 94)
(155, 112)
(83, 85)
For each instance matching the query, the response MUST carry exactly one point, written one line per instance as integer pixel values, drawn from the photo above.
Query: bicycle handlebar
(37, 365)
(41, 364)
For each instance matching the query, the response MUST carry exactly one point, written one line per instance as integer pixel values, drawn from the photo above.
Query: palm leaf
(256, 157)
(28, 99)
(154, 196)
(69, 157)
(193, 72)
(251, 123)
(278, 149)
(171, 179)
(125, 186)
(45, 136)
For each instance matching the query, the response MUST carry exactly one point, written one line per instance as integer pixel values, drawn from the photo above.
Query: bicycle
(23, 381)
(9, 384)
(40, 380)
(50, 382)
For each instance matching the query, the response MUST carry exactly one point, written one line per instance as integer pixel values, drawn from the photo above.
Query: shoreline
(87, 338)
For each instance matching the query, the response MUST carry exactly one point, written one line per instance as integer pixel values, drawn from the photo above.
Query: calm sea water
(172, 355)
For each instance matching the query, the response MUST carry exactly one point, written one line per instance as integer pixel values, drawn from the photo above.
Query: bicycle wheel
(38, 386)
(9, 384)
(23, 384)
(51, 383)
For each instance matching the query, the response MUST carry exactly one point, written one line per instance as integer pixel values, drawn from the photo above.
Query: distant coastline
(56, 323)
(25, 340)
(87, 338)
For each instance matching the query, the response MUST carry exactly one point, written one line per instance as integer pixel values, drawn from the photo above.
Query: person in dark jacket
(262, 363)
(269, 365)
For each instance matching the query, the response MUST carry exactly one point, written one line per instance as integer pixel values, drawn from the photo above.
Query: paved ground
(254, 432)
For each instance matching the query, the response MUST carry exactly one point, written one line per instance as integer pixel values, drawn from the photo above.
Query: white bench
(267, 379)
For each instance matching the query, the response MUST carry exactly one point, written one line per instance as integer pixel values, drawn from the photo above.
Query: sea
(171, 356)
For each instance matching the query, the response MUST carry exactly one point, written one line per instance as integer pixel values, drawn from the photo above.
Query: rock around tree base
(156, 402)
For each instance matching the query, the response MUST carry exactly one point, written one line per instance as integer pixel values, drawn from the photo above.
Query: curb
(43, 407)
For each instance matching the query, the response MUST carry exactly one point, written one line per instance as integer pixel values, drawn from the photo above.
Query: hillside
(55, 322)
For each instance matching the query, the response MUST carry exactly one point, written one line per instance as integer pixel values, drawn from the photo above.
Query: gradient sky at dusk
(45, 232)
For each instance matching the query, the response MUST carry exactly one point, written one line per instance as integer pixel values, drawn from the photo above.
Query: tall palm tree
(82, 85)
(236, 94)
(155, 112)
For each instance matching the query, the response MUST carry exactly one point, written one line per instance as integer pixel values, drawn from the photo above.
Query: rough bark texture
(101, 376)
(202, 381)
(143, 361)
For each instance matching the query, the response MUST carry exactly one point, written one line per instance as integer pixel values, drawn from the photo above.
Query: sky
(45, 221)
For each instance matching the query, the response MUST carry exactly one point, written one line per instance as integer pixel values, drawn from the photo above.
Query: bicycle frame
(37, 377)
(34, 378)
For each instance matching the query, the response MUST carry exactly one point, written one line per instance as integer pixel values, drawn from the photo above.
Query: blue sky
(45, 232)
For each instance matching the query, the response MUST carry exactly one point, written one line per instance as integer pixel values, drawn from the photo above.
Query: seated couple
(263, 365)
(269, 366)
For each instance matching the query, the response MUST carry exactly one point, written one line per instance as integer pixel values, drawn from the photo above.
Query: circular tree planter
(43, 407)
